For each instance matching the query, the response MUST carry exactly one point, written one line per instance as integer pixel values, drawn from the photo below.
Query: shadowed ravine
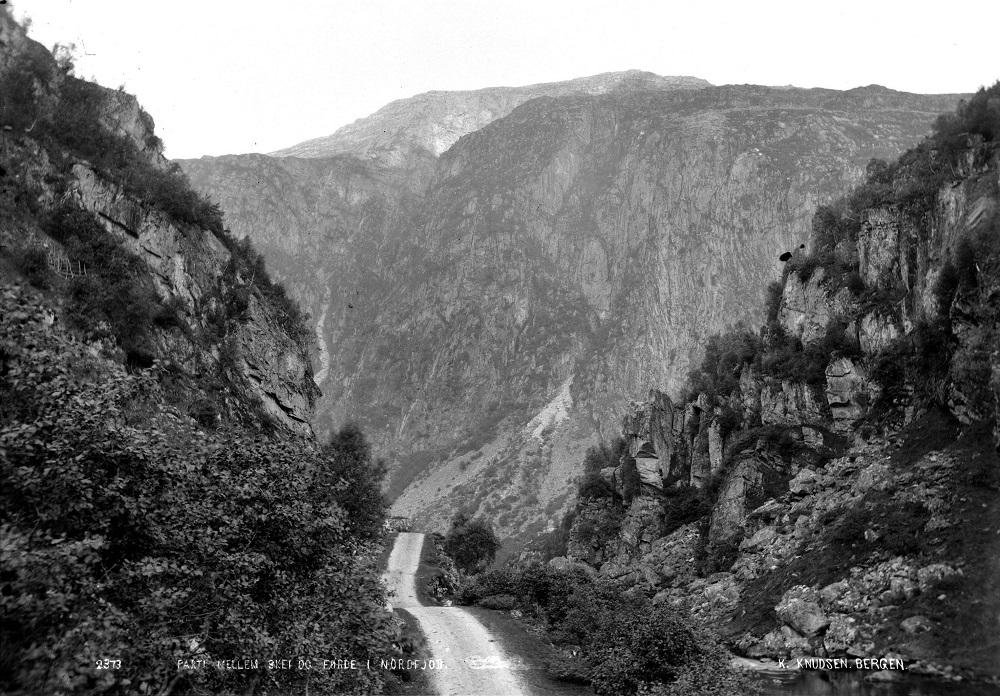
(473, 661)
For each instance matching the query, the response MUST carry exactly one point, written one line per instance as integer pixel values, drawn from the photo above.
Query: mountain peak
(433, 121)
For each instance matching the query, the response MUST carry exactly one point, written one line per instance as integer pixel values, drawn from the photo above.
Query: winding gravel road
(474, 664)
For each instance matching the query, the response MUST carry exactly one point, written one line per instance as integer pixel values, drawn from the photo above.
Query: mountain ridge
(438, 115)
(599, 237)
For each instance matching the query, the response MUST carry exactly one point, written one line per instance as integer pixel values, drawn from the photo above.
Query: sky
(223, 77)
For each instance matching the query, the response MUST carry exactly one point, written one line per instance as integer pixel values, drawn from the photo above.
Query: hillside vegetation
(169, 522)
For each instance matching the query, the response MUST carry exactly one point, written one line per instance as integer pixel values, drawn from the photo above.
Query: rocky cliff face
(546, 268)
(222, 363)
(848, 506)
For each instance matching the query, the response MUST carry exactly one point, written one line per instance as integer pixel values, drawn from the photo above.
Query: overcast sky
(222, 76)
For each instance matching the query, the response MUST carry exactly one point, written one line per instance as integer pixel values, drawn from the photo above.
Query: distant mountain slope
(491, 316)
(433, 121)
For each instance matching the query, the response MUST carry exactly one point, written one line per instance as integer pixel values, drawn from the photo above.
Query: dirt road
(473, 662)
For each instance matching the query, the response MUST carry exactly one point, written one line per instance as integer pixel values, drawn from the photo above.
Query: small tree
(471, 543)
(357, 479)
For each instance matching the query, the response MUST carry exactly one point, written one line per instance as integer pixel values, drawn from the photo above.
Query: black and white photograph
(521, 348)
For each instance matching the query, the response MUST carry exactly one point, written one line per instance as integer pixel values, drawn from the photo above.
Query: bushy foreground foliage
(130, 534)
(628, 643)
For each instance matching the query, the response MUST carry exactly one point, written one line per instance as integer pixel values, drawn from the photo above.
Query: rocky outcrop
(786, 402)
(849, 392)
(649, 429)
(843, 520)
(186, 265)
(807, 307)
(754, 478)
(249, 363)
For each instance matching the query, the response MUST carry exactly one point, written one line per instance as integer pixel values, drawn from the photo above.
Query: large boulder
(799, 608)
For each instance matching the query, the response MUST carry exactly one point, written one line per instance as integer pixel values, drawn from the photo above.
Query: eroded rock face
(648, 428)
(806, 308)
(753, 479)
(876, 332)
(791, 403)
(186, 264)
(848, 392)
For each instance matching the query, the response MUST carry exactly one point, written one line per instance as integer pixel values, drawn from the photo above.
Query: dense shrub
(626, 640)
(554, 544)
(631, 481)
(725, 355)
(356, 477)
(918, 360)
(597, 457)
(247, 266)
(979, 116)
(709, 675)
(786, 358)
(471, 543)
(132, 535)
(683, 505)
(772, 300)
(33, 263)
(635, 648)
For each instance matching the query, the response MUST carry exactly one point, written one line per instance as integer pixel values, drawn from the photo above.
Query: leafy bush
(34, 264)
(597, 457)
(471, 543)
(920, 360)
(247, 266)
(978, 116)
(725, 355)
(786, 358)
(683, 505)
(356, 477)
(710, 675)
(772, 300)
(633, 648)
(554, 544)
(626, 641)
(631, 481)
(130, 534)
(504, 602)
(595, 486)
